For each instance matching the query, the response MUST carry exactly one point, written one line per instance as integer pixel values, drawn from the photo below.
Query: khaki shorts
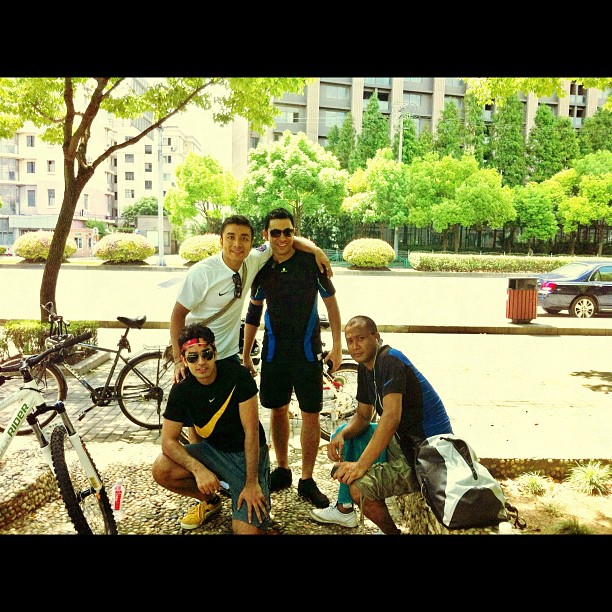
(392, 477)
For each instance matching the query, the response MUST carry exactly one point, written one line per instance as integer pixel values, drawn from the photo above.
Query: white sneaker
(331, 514)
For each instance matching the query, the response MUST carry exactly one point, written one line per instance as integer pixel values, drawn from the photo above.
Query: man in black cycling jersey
(290, 283)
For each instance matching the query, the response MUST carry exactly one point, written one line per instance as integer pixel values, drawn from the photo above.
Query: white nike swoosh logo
(211, 400)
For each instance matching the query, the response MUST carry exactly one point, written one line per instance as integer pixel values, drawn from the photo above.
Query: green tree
(569, 149)
(410, 146)
(148, 205)
(295, 173)
(500, 89)
(333, 136)
(374, 135)
(596, 133)
(203, 190)
(432, 197)
(474, 130)
(484, 202)
(449, 133)
(544, 154)
(65, 108)
(425, 143)
(534, 208)
(382, 189)
(346, 142)
(507, 146)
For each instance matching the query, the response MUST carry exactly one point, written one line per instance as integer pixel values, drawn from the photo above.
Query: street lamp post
(160, 199)
(401, 109)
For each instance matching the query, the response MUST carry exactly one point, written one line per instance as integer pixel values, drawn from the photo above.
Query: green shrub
(534, 482)
(124, 248)
(200, 247)
(2, 250)
(28, 336)
(455, 262)
(369, 253)
(590, 478)
(34, 246)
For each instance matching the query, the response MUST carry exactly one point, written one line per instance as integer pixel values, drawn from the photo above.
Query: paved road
(524, 395)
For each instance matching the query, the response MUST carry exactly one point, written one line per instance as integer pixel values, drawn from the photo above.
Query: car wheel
(552, 310)
(583, 307)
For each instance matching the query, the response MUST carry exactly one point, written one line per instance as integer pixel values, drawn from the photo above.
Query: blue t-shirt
(423, 412)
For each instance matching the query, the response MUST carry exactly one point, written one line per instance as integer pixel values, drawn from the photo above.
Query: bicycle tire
(143, 386)
(89, 511)
(51, 382)
(340, 406)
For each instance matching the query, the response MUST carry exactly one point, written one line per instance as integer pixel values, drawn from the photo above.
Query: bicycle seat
(135, 323)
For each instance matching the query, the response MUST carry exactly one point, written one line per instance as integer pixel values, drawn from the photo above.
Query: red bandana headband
(198, 341)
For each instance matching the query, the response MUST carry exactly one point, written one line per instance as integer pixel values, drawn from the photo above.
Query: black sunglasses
(288, 231)
(207, 354)
(237, 285)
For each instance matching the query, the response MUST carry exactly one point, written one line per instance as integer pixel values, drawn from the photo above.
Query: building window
(129, 176)
(79, 242)
(336, 92)
(129, 194)
(148, 185)
(167, 159)
(148, 149)
(288, 114)
(329, 118)
(31, 167)
(254, 142)
(51, 198)
(31, 198)
(148, 167)
(85, 201)
(51, 165)
(167, 142)
(129, 158)
(30, 141)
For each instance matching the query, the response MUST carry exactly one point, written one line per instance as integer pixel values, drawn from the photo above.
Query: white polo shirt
(208, 287)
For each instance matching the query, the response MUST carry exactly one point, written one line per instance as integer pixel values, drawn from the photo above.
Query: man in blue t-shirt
(376, 459)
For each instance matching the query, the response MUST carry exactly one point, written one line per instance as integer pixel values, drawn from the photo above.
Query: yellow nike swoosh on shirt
(210, 426)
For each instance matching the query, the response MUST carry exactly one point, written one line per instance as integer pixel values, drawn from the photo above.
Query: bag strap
(514, 518)
(220, 312)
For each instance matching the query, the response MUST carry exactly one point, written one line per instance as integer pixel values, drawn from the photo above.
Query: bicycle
(141, 387)
(80, 484)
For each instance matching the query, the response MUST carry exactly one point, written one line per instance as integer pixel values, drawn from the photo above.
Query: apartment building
(31, 171)
(32, 178)
(326, 103)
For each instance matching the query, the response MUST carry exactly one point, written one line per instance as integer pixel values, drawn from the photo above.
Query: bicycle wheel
(89, 511)
(51, 382)
(143, 386)
(339, 399)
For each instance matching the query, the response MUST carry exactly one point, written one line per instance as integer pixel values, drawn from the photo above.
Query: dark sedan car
(583, 288)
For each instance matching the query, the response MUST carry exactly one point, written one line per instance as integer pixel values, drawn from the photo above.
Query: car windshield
(571, 269)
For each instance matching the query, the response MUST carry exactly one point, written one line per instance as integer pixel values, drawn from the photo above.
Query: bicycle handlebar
(34, 359)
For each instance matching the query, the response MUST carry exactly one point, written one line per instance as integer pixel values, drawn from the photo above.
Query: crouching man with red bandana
(219, 399)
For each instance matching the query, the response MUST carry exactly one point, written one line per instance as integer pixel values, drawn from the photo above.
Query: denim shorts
(231, 467)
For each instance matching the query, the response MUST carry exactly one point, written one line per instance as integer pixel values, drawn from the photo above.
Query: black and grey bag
(460, 491)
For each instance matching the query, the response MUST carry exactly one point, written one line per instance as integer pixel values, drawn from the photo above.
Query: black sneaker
(308, 490)
(280, 478)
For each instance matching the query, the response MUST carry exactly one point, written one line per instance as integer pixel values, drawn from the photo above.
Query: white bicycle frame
(28, 399)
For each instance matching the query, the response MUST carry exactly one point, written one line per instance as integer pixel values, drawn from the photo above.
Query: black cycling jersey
(291, 290)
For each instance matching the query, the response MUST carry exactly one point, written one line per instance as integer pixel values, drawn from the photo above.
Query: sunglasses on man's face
(287, 232)
(206, 354)
(237, 285)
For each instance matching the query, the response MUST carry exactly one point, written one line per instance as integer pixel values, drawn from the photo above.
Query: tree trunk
(456, 241)
(73, 187)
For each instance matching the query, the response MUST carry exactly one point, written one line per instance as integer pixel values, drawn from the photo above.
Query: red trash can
(522, 302)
